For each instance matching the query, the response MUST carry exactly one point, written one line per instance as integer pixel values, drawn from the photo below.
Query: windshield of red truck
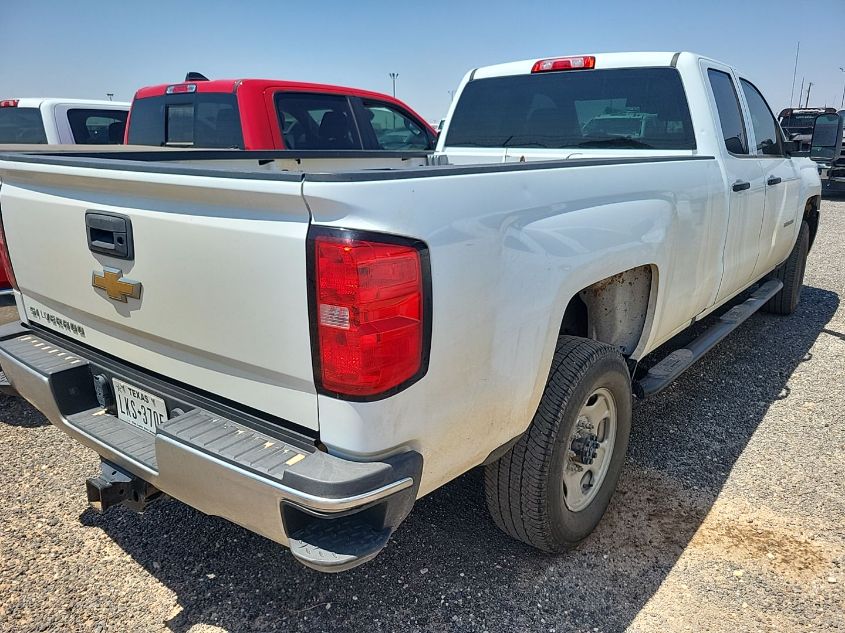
(186, 120)
(21, 125)
(636, 108)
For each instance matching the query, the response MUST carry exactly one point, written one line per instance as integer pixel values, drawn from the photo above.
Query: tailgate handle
(109, 234)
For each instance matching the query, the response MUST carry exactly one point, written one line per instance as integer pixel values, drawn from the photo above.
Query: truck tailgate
(221, 262)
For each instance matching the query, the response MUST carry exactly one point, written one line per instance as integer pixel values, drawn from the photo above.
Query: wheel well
(613, 310)
(575, 321)
(811, 216)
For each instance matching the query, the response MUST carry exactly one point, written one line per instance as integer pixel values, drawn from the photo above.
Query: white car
(62, 121)
(306, 343)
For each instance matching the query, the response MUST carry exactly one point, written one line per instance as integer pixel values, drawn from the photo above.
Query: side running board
(667, 370)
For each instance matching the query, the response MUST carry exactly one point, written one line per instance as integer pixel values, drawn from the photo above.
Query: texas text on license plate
(138, 407)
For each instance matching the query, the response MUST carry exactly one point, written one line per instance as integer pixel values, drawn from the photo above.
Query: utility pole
(842, 103)
(109, 95)
(801, 92)
(807, 101)
(394, 76)
(794, 73)
(452, 93)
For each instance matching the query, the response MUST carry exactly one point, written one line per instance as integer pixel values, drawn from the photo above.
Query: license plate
(138, 407)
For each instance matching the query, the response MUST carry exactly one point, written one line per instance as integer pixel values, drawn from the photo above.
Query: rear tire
(791, 273)
(529, 490)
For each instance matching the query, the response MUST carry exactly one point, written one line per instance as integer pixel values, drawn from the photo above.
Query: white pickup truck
(62, 121)
(307, 342)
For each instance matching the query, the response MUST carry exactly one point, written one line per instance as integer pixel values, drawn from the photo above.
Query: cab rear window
(635, 108)
(21, 125)
(186, 120)
(799, 123)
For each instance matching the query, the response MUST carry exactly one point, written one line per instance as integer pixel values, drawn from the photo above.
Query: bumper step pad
(122, 437)
(338, 544)
(5, 387)
(233, 442)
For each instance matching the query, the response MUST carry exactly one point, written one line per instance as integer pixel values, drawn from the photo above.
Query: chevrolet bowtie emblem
(117, 286)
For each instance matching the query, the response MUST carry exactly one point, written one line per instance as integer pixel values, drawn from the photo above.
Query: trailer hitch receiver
(114, 486)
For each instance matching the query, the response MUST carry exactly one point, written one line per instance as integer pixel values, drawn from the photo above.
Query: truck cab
(266, 114)
(45, 121)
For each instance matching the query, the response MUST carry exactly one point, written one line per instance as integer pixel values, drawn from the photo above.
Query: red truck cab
(266, 114)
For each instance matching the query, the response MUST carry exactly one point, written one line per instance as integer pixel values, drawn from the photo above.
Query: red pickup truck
(265, 114)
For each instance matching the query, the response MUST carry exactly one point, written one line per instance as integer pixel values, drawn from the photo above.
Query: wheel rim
(589, 449)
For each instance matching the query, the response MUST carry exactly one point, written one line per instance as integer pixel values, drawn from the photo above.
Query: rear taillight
(9, 103)
(5, 261)
(369, 313)
(584, 62)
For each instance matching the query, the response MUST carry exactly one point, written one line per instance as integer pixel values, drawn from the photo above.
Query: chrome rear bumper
(333, 513)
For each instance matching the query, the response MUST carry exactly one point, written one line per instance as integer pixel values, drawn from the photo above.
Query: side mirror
(826, 143)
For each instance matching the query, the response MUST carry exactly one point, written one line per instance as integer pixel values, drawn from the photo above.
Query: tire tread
(516, 484)
(791, 274)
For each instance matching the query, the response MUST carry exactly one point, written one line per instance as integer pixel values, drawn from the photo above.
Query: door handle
(109, 234)
(774, 180)
(741, 185)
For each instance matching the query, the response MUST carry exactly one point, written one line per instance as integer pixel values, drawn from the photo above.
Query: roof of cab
(260, 85)
(603, 60)
(37, 102)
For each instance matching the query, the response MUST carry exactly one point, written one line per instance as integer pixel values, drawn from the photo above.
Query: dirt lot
(730, 517)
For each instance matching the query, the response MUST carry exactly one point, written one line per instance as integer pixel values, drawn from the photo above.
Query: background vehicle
(827, 150)
(265, 114)
(306, 347)
(62, 121)
(59, 121)
(797, 123)
(631, 125)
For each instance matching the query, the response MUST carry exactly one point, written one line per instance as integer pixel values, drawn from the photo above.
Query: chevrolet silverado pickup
(59, 121)
(306, 343)
(267, 114)
(62, 121)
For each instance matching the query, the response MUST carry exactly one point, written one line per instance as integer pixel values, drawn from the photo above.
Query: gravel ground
(730, 517)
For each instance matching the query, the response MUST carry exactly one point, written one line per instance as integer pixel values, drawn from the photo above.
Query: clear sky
(85, 49)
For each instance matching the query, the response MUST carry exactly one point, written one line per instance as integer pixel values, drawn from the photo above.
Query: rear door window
(205, 119)
(730, 113)
(393, 129)
(629, 108)
(21, 125)
(97, 127)
(317, 121)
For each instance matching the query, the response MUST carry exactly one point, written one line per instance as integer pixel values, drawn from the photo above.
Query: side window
(393, 129)
(97, 127)
(730, 113)
(762, 121)
(316, 121)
